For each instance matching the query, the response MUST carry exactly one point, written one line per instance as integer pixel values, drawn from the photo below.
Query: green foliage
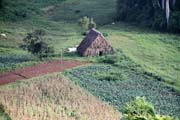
(147, 13)
(105, 34)
(92, 24)
(35, 44)
(87, 23)
(111, 75)
(17, 10)
(84, 23)
(140, 109)
(1, 4)
(3, 114)
(11, 62)
(119, 92)
(118, 59)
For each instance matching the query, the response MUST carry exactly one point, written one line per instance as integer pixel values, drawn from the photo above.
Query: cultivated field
(145, 63)
(52, 97)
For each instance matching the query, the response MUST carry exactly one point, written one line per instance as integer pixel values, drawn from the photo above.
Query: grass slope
(53, 97)
(158, 53)
(155, 52)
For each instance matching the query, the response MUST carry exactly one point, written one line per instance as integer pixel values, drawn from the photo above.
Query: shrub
(108, 59)
(84, 23)
(140, 109)
(110, 75)
(105, 34)
(87, 23)
(92, 24)
(35, 44)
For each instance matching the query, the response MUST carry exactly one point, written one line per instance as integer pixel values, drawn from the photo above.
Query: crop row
(119, 92)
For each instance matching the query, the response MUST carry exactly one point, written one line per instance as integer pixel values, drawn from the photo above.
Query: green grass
(150, 59)
(98, 9)
(156, 52)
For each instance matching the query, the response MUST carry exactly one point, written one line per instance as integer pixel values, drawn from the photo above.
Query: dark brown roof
(90, 37)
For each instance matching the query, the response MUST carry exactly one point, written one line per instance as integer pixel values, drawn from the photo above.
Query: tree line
(159, 14)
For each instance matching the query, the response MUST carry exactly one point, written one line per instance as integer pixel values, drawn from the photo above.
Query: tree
(158, 14)
(84, 23)
(1, 4)
(87, 23)
(35, 44)
(92, 24)
(167, 6)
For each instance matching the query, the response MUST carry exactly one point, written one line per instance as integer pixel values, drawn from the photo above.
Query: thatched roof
(90, 37)
(94, 44)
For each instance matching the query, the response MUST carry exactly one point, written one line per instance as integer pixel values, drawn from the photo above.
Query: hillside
(145, 60)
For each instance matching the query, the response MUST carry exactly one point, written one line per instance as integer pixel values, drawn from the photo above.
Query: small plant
(35, 44)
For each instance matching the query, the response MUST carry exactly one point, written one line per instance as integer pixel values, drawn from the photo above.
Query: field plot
(38, 70)
(53, 98)
(119, 91)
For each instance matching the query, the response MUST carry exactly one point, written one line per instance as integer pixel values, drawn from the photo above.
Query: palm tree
(167, 6)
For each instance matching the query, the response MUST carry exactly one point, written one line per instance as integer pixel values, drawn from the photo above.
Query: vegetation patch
(110, 75)
(140, 109)
(119, 92)
(3, 114)
(53, 97)
(14, 61)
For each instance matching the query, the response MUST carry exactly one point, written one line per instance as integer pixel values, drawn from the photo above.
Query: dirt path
(38, 70)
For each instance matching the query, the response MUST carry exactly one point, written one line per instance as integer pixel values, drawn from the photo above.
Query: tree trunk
(167, 12)
(162, 4)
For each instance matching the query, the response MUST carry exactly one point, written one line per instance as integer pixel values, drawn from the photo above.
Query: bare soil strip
(38, 70)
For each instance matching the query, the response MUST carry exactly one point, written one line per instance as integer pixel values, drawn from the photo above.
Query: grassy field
(158, 53)
(151, 62)
(155, 52)
(53, 97)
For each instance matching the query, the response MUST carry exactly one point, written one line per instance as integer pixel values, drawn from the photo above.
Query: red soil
(38, 70)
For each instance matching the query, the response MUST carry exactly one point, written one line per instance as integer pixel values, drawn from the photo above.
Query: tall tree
(167, 6)
(0, 4)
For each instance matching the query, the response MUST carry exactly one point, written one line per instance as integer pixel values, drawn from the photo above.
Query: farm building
(94, 44)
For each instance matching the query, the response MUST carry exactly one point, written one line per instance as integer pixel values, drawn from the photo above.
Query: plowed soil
(38, 70)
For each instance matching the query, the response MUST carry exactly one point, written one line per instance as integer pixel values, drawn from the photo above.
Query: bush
(92, 24)
(140, 109)
(112, 75)
(87, 23)
(105, 34)
(35, 44)
(119, 59)
(108, 59)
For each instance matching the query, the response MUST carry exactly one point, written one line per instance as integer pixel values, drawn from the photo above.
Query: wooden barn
(94, 44)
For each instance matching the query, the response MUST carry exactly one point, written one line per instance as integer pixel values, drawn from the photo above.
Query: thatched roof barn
(94, 44)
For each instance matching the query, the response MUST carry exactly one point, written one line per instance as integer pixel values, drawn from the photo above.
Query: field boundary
(38, 70)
